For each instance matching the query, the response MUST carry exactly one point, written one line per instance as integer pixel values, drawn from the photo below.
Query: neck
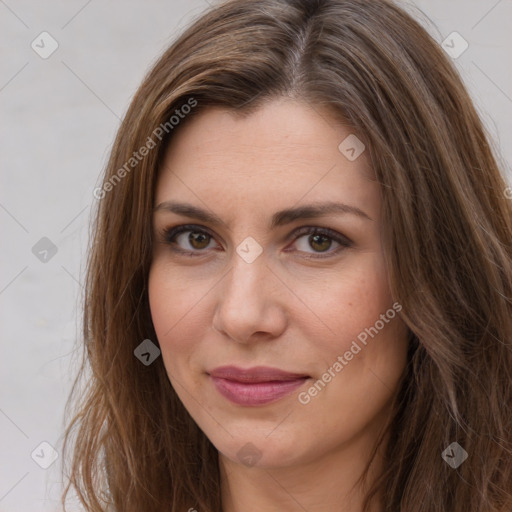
(330, 482)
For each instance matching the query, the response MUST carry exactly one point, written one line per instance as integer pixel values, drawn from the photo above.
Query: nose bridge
(246, 303)
(245, 283)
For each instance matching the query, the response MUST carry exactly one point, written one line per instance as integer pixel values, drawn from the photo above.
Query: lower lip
(258, 393)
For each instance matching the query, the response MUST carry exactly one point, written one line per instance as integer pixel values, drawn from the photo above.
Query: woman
(299, 292)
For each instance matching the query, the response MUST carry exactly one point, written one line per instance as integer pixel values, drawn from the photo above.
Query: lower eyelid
(343, 242)
(184, 232)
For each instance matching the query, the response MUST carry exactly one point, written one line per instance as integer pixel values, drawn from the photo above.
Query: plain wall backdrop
(59, 117)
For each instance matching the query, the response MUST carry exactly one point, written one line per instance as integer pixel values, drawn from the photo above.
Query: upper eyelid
(183, 228)
(297, 232)
(180, 228)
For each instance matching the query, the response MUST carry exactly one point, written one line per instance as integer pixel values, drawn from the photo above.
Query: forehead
(281, 154)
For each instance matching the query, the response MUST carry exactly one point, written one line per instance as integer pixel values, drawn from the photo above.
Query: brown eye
(198, 239)
(187, 239)
(320, 243)
(313, 241)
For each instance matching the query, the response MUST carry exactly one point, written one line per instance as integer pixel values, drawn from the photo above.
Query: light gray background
(59, 116)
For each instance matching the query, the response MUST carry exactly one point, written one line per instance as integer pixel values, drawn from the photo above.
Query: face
(275, 321)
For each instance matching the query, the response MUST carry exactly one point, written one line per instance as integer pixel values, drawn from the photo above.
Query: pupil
(196, 239)
(314, 239)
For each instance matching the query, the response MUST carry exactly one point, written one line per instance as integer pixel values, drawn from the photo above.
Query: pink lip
(255, 386)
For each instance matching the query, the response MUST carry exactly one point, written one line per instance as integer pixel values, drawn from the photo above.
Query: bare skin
(298, 306)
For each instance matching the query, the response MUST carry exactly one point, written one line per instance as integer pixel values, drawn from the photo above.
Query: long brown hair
(446, 230)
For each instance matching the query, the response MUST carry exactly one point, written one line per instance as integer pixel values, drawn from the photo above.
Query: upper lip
(254, 374)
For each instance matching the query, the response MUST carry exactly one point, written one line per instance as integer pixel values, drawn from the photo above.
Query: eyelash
(169, 234)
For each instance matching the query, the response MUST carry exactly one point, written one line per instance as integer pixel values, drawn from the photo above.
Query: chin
(262, 450)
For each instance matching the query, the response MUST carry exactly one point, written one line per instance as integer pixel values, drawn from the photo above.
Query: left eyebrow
(313, 211)
(280, 218)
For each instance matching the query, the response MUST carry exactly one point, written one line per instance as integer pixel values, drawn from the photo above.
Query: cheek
(342, 307)
(363, 344)
(176, 312)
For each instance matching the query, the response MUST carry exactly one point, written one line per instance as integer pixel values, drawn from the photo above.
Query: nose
(250, 303)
